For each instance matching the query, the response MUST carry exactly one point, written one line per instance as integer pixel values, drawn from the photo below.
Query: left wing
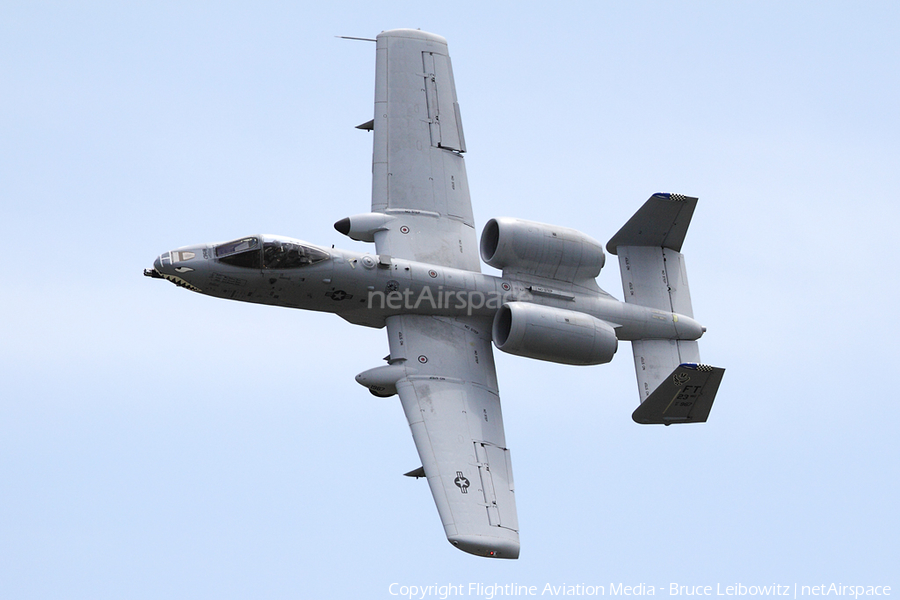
(450, 397)
(418, 172)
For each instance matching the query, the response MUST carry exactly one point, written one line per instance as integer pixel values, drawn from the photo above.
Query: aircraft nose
(163, 263)
(183, 267)
(157, 271)
(183, 260)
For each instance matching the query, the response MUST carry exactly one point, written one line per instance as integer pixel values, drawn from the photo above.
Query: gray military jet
(424, 284)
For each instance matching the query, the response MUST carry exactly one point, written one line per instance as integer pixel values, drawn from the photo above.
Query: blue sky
(157, 443)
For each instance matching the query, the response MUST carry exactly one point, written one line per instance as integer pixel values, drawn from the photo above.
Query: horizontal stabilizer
(686, 396)
(662, 222)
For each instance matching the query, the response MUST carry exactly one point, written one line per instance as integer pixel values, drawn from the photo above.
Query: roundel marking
(461, 482)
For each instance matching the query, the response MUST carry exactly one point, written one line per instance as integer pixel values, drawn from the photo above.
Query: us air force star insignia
(461, 482)
(340, 295)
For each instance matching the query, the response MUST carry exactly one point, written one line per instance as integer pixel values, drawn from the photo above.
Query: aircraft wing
(418, 172)
(451, 401)
(449, 386)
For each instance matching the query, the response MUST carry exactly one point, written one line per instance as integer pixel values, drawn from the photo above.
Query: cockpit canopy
(273, 252)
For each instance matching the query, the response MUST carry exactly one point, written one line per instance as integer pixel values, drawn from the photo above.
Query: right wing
(451, 401)
(418, 172)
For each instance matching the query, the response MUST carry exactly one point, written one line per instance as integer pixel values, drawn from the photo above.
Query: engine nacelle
(543, 250)
(553, 334)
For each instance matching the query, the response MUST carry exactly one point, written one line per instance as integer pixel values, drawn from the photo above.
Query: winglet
(686, 396)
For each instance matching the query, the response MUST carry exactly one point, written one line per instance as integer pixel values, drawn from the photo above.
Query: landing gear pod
(382, 381)
(363, 228)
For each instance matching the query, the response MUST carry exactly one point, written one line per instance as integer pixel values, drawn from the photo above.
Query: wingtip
(489, 547)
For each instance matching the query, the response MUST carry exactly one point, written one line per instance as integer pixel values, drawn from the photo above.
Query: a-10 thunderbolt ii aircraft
(424, 284)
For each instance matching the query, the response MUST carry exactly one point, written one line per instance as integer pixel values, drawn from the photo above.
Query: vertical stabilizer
(649, 251)
(685, 396)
